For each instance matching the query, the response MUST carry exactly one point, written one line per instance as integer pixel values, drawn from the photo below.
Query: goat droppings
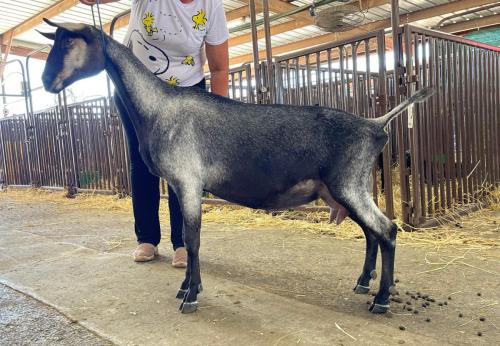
(403, 328)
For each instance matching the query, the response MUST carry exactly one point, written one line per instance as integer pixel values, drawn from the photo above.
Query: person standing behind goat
(173, 38)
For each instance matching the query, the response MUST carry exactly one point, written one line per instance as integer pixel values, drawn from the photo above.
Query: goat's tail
(420, 96)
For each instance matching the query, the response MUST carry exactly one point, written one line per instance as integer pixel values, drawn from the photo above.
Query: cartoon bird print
(188, 60)
(148, 22)
(172, 80)
(199, 19)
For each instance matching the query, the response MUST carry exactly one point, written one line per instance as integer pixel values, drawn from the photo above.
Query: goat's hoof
(393, 291)
(373, 274)
(187, 308)
(360, 289)
(378, 308)
(181, 293)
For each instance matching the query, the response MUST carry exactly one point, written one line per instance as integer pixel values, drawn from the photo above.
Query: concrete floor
(262, 287)
(26, 321)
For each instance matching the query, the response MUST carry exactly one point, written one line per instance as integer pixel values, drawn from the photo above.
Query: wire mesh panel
(453, 138)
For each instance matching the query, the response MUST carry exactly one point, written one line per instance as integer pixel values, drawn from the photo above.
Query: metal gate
(454, 138)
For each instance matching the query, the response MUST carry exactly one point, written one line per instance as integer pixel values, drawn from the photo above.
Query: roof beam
(472, 24)
(36, 19)
(24, 51)
(304, 20)
(5, 51)
(454, 6)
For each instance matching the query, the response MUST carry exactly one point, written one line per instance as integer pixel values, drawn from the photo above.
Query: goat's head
(77, 53)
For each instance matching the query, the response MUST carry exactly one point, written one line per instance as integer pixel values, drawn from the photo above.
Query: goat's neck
(140, 91)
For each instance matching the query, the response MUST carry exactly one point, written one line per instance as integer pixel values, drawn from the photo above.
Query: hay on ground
(457, 234)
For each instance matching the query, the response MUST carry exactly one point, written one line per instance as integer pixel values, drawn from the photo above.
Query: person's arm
(218, 64)
(92, 2)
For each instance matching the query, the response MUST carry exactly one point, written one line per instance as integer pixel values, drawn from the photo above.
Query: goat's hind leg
(190, 201)
(362, 285)
(364, 211)
(369, 272)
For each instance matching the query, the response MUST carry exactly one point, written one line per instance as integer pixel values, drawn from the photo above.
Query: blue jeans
(146, 190)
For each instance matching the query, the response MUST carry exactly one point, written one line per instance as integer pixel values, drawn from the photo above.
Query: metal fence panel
(453, 138)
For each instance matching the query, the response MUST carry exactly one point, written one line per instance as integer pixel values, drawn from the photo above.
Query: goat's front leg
(190, 201)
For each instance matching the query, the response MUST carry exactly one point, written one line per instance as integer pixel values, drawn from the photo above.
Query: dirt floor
(263, 286)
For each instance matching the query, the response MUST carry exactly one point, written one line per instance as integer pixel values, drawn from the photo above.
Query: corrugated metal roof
(15, 12)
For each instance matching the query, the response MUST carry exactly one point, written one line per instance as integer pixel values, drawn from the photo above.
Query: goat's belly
(301, 193)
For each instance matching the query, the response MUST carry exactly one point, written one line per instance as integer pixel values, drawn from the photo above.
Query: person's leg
(175, 219)
(145, 186)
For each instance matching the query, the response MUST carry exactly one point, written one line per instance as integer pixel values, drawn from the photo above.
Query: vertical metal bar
(319, 89)
(297, 76)
(468, 122)
(4, 158)
(250, 94)
(458, 114)
(415, 211)
(240, 84)
(233, 86)
(382, 109)
(255, 51)
(72, 137)
(440, 125)
(369, 96)
(355, 81)
(288, 83)
(309, 94)
(269, 52)
(496, 117)
(330, 79)
(473, 114)
(342, 79)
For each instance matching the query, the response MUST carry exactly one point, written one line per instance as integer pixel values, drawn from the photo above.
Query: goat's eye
(67, 43)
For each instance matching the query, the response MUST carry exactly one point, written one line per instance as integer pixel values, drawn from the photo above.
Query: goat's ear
(49, 35)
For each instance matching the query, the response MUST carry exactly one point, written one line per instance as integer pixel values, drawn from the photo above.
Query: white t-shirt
(168, 36)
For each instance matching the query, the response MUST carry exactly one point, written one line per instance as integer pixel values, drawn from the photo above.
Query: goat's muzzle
(51, 84)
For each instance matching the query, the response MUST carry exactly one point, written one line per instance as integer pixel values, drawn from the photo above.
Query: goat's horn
(51, 23)
(49, 35)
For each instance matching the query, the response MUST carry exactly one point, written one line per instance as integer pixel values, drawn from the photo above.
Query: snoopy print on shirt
(168, 36)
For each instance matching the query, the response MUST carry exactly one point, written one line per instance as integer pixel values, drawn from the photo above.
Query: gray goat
(261, 156)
